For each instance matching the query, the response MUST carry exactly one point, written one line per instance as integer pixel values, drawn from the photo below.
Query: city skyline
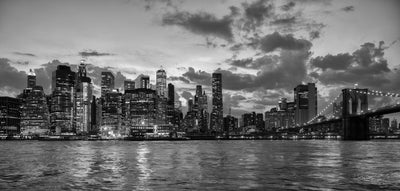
(261, 56)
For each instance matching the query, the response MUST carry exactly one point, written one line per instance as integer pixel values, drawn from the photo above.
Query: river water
(200, 165)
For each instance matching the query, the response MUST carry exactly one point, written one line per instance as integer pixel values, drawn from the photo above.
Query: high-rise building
(9, 115)
(171, 104)
(305, 98)
(216, 118)
(129, 85)
(107, 83)
(62, 99)
(142, 81)
(249, 119)
(201, 109)
(260, 125)
(35, 118)
(161, 83)
(112, 110)
(140, 107)
(31, 79)
(393, 124)
(280, 119)
(83, 101)
(385, 125)
(230, 125)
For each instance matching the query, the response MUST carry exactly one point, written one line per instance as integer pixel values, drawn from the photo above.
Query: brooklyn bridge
(351, 118)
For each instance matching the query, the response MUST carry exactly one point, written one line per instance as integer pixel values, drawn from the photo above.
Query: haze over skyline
(262, 48)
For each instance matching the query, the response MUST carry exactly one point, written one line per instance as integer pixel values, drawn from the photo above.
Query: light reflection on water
(202, 165)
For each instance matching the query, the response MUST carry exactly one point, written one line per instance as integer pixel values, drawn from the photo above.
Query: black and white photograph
(199, 95)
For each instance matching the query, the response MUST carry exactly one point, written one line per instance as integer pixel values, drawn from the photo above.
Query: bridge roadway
(335, 122)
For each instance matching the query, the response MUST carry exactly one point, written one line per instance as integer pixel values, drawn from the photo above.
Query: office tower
(217, 110)
(230, 124)
(249, 119)
(171, 104)
(259, 122)
(161, 83)
(282, 103)
(393, 124)
(9, 115)
(140, 107)
(83, 101)
(95, 121)
(35, 118)
(112, 110)
(385, 125)
(305, 98)
(107, 83)
(62, 100)
(142, 81)
(279, 119)
(201, 109)
(190, 105)
(31, 80)
(129, 85)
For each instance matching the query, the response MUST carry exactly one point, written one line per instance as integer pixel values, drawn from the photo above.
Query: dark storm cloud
(187, 95)
(93, 53)
(180, 78)
(11, 78)
(365, 66)
(256, 13)
(24, 54)
(348, 8)
(275, 71)
(275, 40)
(256, 64)
(200, 77)
(201, 23)
(284, 21)
(289, 6)
(314, 35)
(336, 62)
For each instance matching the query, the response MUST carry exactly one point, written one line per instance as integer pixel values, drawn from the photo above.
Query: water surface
(200, 165)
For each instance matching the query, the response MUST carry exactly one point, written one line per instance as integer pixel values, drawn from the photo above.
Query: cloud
(11, 79)
(201, 23)
(288, 6)
(187, 95)
(256, 13)
(284, 21)
(314, 34)
(180, 78)
(365, 66)
(199, 76)
(336, 62)
(275, 40)
(348, 8)
(24, 54)
(89, 53)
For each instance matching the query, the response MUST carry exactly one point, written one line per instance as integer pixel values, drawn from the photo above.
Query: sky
(263, 48)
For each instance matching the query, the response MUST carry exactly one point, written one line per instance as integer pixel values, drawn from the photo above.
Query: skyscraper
(142, 81)
(129, 85)
(31, 79)
(305, 98)
(83, 101)
(171, 105)
(201, 109)
(217, 111)
(161, 83)
(62, 99)
(107, 83)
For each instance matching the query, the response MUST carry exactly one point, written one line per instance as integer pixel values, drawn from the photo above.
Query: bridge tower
(355, 102)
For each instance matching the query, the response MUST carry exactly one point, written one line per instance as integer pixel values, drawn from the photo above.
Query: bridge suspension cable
(325, 109)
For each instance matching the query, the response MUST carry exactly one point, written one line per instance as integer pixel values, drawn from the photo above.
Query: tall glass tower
(217, 110)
